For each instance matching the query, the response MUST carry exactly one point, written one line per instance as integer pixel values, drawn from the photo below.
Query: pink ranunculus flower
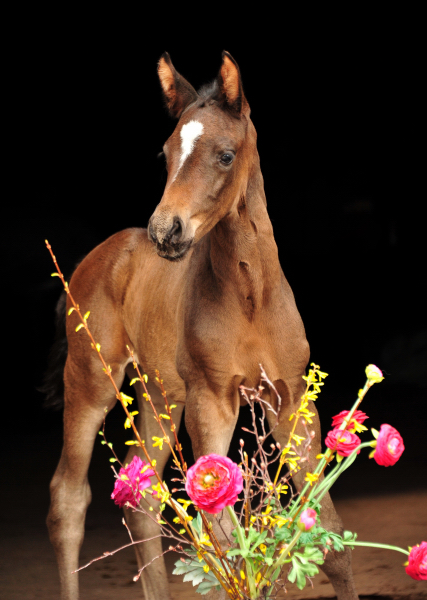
(389, 446)
(344, 442)
(131, 481)
(307, 519)
(358, 416)
(417, 562)
(214, 482)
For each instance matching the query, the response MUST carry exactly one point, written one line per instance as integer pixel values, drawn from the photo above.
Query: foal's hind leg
(144, 527)
(337, 565)
(84, 411)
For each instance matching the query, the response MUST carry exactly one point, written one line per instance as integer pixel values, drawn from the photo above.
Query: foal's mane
(209, 92)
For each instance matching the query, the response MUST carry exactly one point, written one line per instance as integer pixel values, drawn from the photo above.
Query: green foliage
(304, 565)
(350, 537)
(193, 571)
(197, 524)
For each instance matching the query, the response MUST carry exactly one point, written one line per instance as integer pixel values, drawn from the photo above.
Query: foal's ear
(230, 84)
(178, 93)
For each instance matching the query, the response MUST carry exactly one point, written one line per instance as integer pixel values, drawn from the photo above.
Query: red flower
(342, 441)
(358, 416)
(131, 481)
(417, 566)
(214, 482)
(389, 446)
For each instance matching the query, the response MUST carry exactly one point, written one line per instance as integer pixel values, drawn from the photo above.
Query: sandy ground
(28, 569)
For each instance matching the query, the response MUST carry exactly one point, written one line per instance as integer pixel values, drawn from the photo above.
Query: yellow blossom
(186, 503)
(125, 399)
(280, 521)
(298, 439)
(204, 539)
(311, 477)
(128, 422)
(357, 427)
(161, 491)
(158, 442)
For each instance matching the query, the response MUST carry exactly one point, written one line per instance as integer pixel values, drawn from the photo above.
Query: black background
(337, 108)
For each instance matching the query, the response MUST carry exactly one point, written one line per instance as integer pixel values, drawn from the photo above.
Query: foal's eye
(227, 158)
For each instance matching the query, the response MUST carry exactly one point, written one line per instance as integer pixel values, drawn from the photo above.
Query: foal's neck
(243, 251)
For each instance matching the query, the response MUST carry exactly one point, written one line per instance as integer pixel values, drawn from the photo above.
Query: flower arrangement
(277, 536)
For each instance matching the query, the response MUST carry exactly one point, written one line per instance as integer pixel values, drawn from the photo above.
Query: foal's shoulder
(110, 264)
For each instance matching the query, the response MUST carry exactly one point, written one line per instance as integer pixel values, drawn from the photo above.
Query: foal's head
(208, 156)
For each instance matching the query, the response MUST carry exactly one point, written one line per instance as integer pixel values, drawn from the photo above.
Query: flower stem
(331, 478)
(243, 543)
(323, 462)
(375, 545)
(283, 557)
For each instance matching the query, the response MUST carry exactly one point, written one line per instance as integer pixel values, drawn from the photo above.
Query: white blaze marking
(189, 133)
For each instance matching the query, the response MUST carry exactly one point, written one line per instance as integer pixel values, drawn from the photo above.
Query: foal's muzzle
(170, 244)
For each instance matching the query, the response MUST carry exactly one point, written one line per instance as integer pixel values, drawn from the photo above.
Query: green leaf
(297, 574)
(302, 568)
(237, 552)
(336, 541)
(301, 557)
(198, 524)
(198, 578)
(314, 554)
(305, 538)
(206, 587)
(259, 540)
(282, 534)
(252, 535)
(180, 568)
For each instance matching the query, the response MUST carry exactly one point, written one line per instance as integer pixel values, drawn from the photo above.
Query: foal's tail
(53, 380)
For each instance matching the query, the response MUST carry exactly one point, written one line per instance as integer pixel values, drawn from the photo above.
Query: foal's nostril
(175, 233)
(151, 233)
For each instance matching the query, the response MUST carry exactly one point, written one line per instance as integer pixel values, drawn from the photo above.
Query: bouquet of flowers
(276, 534)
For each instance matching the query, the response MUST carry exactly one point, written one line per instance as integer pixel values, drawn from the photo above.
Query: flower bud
(307, 519)
(373, 374)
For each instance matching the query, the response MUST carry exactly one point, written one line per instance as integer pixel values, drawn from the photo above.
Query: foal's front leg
(154, 578)
(70, 492)
(337, 565)
(210, 420)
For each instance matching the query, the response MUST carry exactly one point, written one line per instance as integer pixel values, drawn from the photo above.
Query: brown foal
(206, 317)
